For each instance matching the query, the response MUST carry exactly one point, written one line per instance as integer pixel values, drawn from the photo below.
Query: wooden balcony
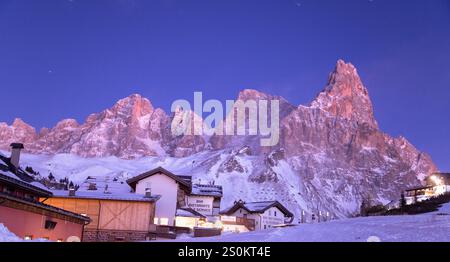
(247, 222)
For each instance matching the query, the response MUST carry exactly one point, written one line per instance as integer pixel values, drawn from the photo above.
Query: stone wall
(114, 236)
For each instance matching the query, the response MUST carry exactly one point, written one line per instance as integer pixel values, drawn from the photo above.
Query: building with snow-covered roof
(21, 210)
(115, 216)
(243, 216)
(172, 189)
(178, 195)
(435, 185)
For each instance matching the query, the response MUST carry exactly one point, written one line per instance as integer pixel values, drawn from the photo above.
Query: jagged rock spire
(345, 96)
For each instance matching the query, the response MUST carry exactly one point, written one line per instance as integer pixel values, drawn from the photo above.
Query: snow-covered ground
(7, 236)
(431, 227)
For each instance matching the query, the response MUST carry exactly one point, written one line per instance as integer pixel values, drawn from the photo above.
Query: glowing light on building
(436, 180)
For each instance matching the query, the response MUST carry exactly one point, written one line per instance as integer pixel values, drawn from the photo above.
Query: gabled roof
(207, 190)
(19, 178)
(184, 181)
(257, 207)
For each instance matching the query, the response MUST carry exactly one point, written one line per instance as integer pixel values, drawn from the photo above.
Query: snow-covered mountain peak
(134, 105)
(67, 123)
(330, 155)
(19, 123)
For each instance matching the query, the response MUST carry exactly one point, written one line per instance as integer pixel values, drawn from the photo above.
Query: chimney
(148, 193)
(106, 190)
(15, 154)
(92, 186)
(71, 191)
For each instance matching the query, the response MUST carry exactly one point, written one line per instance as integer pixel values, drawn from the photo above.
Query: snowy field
(432, 227)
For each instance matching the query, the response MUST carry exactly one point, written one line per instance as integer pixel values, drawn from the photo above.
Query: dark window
(29, 197)
(50, 225)
(7, 190)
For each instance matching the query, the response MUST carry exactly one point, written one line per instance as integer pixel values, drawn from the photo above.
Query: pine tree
(365, 205)
(51, 177)
(363, 208)
(30, 170)
(402, 202)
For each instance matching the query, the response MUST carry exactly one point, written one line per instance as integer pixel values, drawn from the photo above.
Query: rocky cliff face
(129, 129)
(331, 153)
(346, 97)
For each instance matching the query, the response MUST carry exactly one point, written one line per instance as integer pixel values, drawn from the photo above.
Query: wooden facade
(126, 220)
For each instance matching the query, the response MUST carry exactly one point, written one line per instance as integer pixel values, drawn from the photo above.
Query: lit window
(155, 221)
(59, 240)
(164, 221)
(29, 237)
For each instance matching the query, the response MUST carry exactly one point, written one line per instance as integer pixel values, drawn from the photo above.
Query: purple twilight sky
(69, 58)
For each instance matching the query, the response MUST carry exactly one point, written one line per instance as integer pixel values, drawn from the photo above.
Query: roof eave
(133, 181)
(25, 185)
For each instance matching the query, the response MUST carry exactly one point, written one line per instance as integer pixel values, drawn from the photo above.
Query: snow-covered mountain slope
(204, 167)
(331, 154)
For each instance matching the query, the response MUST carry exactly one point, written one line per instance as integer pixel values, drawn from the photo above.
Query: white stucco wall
(241, 212)
(271, 217)
(167, 188)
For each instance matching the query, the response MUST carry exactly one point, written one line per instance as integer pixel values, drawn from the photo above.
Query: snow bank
(431, 227)
(7, 236)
